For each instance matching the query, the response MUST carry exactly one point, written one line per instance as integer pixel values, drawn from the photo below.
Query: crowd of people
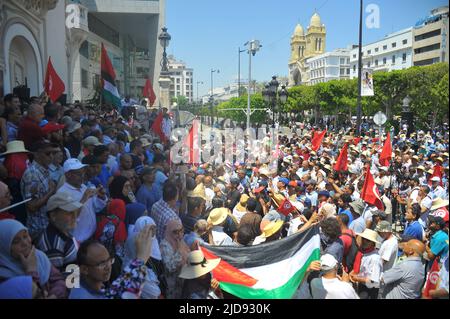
(95, 190)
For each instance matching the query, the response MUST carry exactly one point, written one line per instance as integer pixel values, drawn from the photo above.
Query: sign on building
(367, 82)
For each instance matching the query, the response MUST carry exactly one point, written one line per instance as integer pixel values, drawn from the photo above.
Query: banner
(367, 83)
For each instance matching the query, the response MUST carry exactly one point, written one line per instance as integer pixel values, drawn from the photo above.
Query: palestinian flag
(109, 88)
(267, 271)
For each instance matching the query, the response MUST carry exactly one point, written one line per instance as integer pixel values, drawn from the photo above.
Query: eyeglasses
(178, 231)
(103, 264)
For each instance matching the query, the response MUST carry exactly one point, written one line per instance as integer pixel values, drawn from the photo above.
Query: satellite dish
(379, 118)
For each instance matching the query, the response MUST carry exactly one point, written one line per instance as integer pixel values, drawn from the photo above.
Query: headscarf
(116, 212)
(20, 287)
(184, 250)
(10, 267)
(116, 188)
(130, 245)
(134, 211)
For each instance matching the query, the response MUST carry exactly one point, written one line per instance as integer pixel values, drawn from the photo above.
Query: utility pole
(359, 110)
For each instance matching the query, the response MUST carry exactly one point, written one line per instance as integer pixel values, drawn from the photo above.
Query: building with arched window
(304, 46)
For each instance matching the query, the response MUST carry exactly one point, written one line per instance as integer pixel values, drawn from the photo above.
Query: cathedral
(304, 46)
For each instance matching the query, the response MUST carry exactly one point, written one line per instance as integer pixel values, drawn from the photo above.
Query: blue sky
(207, 33)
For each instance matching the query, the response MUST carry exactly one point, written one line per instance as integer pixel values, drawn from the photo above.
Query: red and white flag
(432, 279)
(317, 139)
(386, 153)
(192, 142)
(53, 85)
(149, 93)
(342, 160)
(286, 207)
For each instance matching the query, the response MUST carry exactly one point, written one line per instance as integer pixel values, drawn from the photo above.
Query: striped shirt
(162, 214)
(60, 249)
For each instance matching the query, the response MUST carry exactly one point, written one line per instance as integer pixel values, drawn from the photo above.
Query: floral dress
(173, 263)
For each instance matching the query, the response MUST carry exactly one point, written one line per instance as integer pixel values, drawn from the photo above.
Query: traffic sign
(379, 118)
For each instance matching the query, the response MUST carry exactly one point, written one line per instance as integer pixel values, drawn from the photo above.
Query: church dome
(299, 30)
(315, 21)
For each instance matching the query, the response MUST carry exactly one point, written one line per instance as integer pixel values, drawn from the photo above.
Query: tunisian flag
(53, 85)
(342, 160)
(157, 127)
(370, 193)
(149, 93)
(286, 207)
(386, 153)
(432, 279)
(317, 140)
(191, 141)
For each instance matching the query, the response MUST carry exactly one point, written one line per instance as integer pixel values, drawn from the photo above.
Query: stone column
(164, 94)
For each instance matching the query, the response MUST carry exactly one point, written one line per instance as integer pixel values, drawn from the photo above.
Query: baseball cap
(63, 201)
(324, 193)
(159, 147)
(91, 140)
(328, 262)
(72, 127)
(234, 181)
(436, 179)
(72, 164)
(284, 180)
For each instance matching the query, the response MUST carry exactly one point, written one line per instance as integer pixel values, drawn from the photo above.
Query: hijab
(116, 188)
(130, 245)
(170, 238)
(11, 267)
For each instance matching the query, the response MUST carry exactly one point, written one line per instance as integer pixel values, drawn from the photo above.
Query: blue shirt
(150, 157)
(160, 179)
(146, 197)
(313, 198)
(104, 176)
(346, 212)
(85, 293)
(439, 244)
(415, 230)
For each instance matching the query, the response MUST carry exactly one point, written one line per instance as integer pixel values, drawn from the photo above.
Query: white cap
(436, 179)
(72, 164)
(63, 201)
(159, 146)
(328, 262)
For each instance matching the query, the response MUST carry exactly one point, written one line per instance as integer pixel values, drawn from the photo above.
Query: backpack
(351, 254)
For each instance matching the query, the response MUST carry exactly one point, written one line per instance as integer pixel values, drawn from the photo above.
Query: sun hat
(271, 228)
(198, 191)
(369, 234)
(358, 206)
(197, 265)
(241, 206)
(438, 203)
(217, 216)
(384, 227)
(63, 201)
(15, 147)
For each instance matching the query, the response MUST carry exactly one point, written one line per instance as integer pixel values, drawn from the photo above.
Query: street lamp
(211, 98)
(239, 70)
(164, 39)
(407, 116)
(253, 47)
(272, 95)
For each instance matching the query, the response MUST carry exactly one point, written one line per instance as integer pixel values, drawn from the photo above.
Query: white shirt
(293, 225)
(439, 192)
(220, 238)
(414, 194)
(259, 240)
(86, 222)
(427, 202)
(209, 196)
(371, 267)
(323, 288)
(388, 252)
(387, 204)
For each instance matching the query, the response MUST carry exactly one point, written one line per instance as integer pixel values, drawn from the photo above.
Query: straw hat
(241, 206)
(439, 203)
(440, 159)
(217, 216)
(421, 167)
(369, 234)
(15, 147)
(198, 191)
(271, 228)
(430, 171)
(264, 171)
(197, 265)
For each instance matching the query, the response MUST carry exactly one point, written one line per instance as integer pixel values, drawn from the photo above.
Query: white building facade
(328, 66)
(393, 52)
(182, 79)
(71, 33)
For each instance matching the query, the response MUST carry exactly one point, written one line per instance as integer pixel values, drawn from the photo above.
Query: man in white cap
(93, 200)
(329, 285)
(437, 189)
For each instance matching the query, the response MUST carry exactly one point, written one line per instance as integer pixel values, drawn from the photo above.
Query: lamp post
(198, 82)
(359, 110)
(211, 98)
(164, 76)
(253, 47)
(407, 116)
(272, 95)
(239, 70)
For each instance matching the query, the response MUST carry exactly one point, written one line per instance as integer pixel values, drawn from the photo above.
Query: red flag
(53, 85)
(148, 92)
(342, 160)
(356, 140)
(370, 192)
(157, 127)
(191, 142)
(437, 172)
(286, 207)
(386, 153)
(317, 140)
(432, 279)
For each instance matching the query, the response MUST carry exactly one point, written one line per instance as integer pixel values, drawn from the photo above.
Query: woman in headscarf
(151, 288)
(121, 188)
(18, 257)
(174, 252)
